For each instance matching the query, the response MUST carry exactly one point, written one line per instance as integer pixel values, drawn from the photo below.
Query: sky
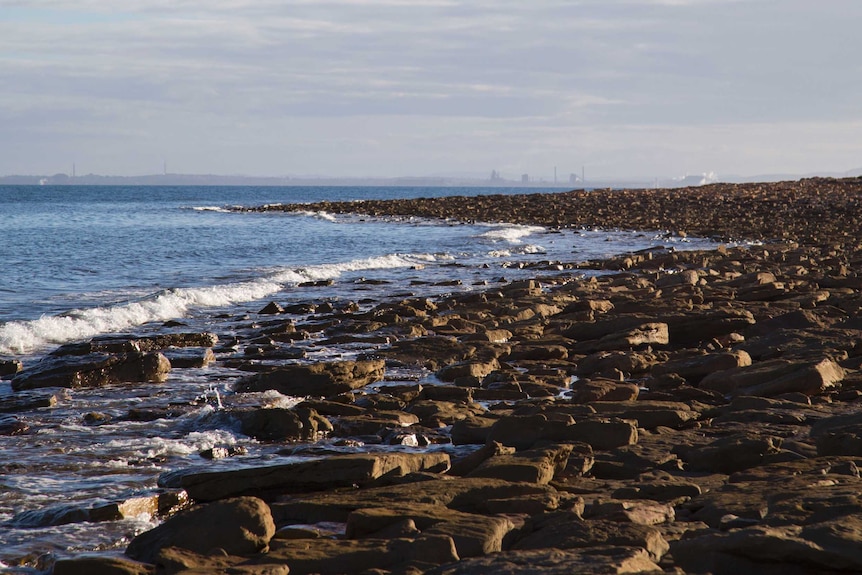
(389, 88)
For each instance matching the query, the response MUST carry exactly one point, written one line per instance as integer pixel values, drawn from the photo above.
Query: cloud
(511, 80)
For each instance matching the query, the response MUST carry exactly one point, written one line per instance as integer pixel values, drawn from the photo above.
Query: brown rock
(537, 465)
(473, 534)
(590, 561)
(331, 556)
(564, 530)
(93, 370)
(101, 565)
(329, 473)
(241, 526)
(323, 379)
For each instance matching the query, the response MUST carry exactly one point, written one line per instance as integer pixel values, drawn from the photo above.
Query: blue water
(79, 261)
(82, 261)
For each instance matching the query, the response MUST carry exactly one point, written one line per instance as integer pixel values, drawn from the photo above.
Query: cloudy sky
(625, 88)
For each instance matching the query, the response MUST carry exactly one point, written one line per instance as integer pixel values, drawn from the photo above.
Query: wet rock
(328, 473)
(323, 379)
(9, 367)
(185, 358)
(27, 400)
(94, 370)
(241, 526)
(272, 308)
(129, 343)
(278, 424)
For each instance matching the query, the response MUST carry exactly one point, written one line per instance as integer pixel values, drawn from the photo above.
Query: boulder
(241, 526)
(323, 379)
(93, 370)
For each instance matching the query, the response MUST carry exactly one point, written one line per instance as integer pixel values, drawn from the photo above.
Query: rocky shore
(681, 412)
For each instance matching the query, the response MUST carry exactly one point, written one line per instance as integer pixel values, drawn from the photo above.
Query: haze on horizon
(389, 88)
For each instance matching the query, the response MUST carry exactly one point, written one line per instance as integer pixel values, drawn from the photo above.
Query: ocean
(83, 261)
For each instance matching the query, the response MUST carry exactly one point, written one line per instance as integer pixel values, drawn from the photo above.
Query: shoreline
(687, 412)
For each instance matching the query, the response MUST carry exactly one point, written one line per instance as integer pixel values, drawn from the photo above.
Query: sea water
(84, 261)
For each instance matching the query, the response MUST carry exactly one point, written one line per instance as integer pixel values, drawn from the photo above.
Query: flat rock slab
(93, 370)
(596, 560)
(472, 533)
(336, 557)
(318, 474)
(470, 495)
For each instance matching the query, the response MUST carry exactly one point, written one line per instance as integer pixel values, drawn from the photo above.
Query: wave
(510, 233)
(23, 337)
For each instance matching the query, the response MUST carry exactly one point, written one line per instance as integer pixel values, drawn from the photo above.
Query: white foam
(219, 209)
(510, 233)
(320, 215)
(21, 337)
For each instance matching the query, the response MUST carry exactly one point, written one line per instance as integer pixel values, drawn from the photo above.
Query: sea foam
(510, 234)
(23, 337)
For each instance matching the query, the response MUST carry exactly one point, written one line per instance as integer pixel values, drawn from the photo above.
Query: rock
(473, 534)
(325, 379)
(563, 530)
(272, 308)
(596, 560)
(93, 370)
(129, 343)
(645, 334)
(241, 526)
(730, 454)
(592, 390)
(9, 367)
(27, 400)
(185, 358)
(173, 560)
(819, 548)
(776, 377)
(694, 369)
(470, 495)
(537, 465)
(465, 465)
(328, 473)
(640, 512)
(330, 557)
(273, 424)
(477, 369)
(101, 565)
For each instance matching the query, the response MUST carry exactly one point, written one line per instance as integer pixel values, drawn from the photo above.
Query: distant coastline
(573, 182)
